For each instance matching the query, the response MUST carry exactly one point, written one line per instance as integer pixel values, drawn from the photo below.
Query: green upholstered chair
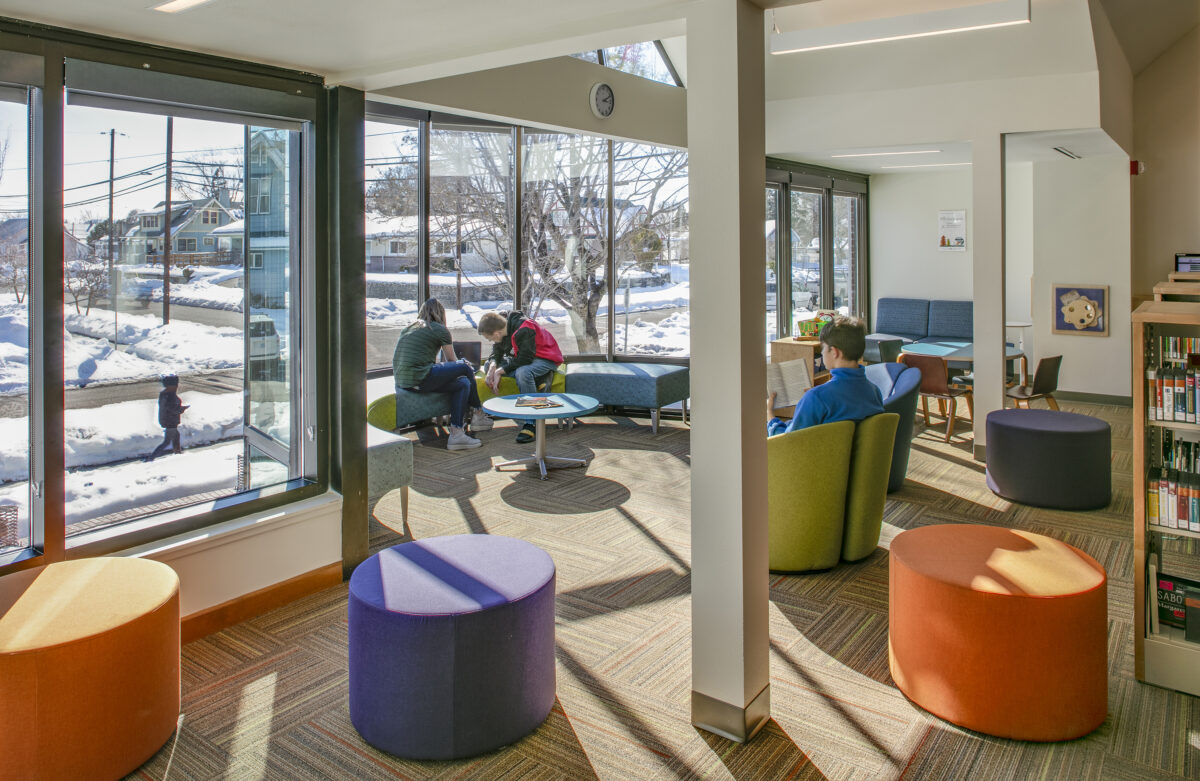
(508, 385)
(866, 492)
(806, 496)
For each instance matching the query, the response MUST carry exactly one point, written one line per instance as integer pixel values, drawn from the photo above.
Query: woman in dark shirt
(416, 369)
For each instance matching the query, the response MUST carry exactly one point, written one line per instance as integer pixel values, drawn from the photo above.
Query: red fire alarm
(1136, 167)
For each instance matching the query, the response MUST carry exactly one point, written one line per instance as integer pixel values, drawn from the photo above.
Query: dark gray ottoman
(451, 643)
(649, 385)
(1047, 458)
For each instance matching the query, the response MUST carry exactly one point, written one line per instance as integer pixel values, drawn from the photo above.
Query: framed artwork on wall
(952, 230)
(1080, 309)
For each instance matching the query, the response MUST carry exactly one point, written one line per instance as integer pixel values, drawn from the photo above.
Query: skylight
(646, 59)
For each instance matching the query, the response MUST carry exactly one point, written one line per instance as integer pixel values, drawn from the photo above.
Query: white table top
(573, 405)
(953, 350)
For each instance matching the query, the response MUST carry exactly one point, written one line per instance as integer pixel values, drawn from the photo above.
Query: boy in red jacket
(522, 349)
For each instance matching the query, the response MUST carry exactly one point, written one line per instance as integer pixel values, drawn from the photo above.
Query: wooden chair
(1045, 383)
(935, 383)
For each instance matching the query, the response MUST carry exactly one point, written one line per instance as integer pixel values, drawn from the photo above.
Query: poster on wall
(1080, 309)
(952, 230)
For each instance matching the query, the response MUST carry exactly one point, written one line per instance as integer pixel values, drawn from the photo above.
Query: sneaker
(480, 421)
(460, 441)
(527, 434)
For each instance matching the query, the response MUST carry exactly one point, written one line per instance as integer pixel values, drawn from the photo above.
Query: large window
(814, 230)
(147, 314)
(651, 250)
(16, 241)
(591, 238)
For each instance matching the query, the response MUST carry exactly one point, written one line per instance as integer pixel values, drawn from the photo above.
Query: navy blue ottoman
(451, 645)
(1047, 458)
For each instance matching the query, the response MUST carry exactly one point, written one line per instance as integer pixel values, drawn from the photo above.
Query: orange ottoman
(999, 631)
(89, 667)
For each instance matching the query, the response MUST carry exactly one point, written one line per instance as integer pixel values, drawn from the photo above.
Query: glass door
(272, 244)
(806, 243)
(846, 232)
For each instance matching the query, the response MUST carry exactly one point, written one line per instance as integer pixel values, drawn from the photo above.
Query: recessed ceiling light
(889, 154)
(926, 165)
(175, 6)
(999, 13)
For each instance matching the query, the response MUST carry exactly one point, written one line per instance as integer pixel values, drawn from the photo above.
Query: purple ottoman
(451, 645)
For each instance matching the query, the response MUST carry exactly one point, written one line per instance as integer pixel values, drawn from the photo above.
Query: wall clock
(602, 100)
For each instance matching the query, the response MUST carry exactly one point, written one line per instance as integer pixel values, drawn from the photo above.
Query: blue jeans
(527, 376)
(456, 379)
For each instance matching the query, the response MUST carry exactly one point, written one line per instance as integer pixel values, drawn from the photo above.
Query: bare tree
(564, 211)
(85, 281)
(210, 176)
(14, 269)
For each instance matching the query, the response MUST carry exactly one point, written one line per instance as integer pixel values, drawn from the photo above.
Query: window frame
(207, 78)
(829, 182)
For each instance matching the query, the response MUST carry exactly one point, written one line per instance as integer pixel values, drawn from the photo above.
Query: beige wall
(1166, 130)
(1081, 236)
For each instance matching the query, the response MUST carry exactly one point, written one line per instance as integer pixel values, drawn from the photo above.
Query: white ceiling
(1147, 28)
(355, 41)
(945, 156)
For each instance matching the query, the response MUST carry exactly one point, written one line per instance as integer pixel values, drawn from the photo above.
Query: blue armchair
(901, 388)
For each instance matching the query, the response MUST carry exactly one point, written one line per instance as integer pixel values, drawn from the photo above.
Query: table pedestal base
(539, 457)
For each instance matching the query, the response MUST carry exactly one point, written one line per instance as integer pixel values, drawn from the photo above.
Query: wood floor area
(267, 698)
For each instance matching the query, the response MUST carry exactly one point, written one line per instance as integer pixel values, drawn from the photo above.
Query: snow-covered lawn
(122, 431)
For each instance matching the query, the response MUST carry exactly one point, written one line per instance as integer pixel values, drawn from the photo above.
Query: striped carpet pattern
(267, 698)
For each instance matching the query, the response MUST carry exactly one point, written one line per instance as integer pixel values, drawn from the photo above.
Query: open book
(537, 402)
(788, 381)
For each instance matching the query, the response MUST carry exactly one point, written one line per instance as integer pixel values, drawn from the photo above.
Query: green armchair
(807, 476)
(870, 467)
(826, 490)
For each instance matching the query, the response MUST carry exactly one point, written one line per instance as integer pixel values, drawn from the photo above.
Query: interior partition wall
(817, 255)
(587, 234)
(159, 221)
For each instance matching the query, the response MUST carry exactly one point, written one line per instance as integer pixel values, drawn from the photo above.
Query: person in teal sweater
(848, 395)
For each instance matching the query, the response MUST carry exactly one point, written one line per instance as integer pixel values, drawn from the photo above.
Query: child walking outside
(170, 408)
(522, 349)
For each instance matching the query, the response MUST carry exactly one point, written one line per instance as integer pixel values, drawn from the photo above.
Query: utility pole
(112, 271)
(166, 311)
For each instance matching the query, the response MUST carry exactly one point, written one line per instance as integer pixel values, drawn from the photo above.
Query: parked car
(265, 359)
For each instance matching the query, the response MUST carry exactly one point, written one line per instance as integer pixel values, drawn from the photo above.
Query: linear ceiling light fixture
(925, 165)
(175, 6)
(999, 13)
(1062, 150)
(889, 154)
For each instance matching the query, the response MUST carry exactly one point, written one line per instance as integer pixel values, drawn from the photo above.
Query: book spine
(1183, 493)
(1189, 396)
(1151, 407)
(1168, 394)
(1162, 497)
(1180, 396)
(1152, 497)
(1194, 514)
(1172, 499)
(1159, 385)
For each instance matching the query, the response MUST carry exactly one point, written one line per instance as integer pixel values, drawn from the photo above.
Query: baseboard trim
(213, 619)
(730, 721)
(1094, 398)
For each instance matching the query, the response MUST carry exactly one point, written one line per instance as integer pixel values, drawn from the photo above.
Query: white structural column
(987, 200)
(726, 146)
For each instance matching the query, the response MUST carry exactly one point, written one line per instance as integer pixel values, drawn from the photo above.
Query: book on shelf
(537, 402)
(788, 380)
(1171, 597)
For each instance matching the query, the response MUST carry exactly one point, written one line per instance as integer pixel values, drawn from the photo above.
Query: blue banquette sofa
(920, 320)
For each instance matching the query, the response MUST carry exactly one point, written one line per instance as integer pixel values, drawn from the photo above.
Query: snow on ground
(126, 430)
(196, 293)
(669, 336)
(148, 348)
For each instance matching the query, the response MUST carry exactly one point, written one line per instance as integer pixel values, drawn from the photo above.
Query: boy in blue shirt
(848, 395)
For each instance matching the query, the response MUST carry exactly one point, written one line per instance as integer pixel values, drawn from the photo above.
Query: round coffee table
(572, 405)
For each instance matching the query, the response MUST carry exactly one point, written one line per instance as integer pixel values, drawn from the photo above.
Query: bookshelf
(1166, 529)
